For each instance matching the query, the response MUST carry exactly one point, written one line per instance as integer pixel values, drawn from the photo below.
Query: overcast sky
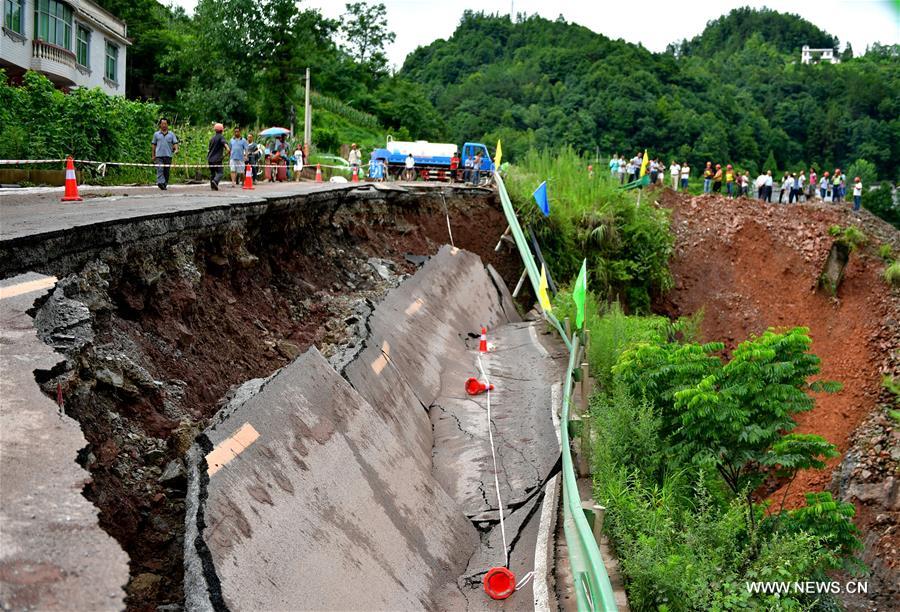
(653, 23)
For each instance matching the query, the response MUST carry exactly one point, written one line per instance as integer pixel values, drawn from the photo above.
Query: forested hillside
(736, 93)
(244, 62)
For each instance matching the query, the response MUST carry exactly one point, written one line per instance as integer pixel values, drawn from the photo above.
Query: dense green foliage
(38, 121)
(665, 451)
(243, 62)
(881, 201)
(627, 246)
(737, 93)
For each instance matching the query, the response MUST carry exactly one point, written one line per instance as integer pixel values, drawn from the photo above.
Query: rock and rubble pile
(750, 266)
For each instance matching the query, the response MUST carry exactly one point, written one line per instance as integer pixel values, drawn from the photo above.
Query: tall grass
(627, 245)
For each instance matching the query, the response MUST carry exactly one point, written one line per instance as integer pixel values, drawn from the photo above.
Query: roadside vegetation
(684, 441)
(689, 442)
(627, 246)
(38, 121)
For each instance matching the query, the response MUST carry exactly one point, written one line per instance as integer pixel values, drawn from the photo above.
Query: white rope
(447, 215)
(487, 381)
(525, 580)
(102, 165)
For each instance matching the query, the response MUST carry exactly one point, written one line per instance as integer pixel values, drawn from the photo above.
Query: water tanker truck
(434, 160)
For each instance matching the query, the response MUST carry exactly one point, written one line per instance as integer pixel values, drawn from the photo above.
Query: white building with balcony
(74, 43)
(814, 56)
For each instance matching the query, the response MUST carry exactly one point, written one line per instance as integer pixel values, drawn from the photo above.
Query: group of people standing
(243, 152)
(274, 157)
(797, 187)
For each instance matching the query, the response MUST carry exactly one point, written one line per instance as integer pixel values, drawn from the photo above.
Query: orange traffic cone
(482, 344)
(71, 194)
(318, 173)
(476, 387)
(248, 178)
(355, 178)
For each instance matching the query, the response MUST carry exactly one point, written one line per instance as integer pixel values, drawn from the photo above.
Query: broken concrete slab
(523, 373)
(418, 330)
(304, 494)
(54, 555)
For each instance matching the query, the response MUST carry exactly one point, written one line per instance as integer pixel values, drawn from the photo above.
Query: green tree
(865, 170)
(735, 416)
(365, 30)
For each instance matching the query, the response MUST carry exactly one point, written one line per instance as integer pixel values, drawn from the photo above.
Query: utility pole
(307, 121)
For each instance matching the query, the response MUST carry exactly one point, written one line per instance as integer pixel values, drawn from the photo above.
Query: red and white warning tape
(101, 166)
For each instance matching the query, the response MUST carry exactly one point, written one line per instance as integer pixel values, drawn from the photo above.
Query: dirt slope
(752, 266)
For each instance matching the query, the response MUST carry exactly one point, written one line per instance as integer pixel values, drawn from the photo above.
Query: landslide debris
(751, 266)
(161, 332)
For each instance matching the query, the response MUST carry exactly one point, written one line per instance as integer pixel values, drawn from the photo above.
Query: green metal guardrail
(592, 586)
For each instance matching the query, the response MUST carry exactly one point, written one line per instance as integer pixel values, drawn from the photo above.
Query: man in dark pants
(215, 155)
(163, 147)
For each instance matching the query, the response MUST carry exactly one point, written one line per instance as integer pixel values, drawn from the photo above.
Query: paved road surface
(53, 555)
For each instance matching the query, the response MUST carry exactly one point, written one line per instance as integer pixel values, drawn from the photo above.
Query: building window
(12, 11)
(53, 23)
(83, 46)
(112, 61)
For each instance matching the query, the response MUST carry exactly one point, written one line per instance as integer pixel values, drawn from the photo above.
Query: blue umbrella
(274, 131)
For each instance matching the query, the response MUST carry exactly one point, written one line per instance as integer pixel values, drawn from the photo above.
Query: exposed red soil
(751, 266)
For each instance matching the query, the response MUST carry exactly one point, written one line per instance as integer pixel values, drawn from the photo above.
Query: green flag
(579, 294)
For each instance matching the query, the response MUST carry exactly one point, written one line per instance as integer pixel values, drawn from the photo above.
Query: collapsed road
(367, 452)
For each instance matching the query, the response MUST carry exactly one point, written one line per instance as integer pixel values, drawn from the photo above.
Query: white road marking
(542, 547)
(537, 342)
(31, 286)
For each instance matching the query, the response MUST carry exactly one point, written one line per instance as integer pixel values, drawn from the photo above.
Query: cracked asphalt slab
(319, 475)
(523, 366)
(51, 545)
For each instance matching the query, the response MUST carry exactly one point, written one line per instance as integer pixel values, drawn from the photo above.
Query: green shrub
(880, 202)
(681, 437)
(885, 252)
(892, 274)
(865, 170)
(851, 236)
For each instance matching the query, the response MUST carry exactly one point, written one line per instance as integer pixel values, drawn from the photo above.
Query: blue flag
(540, 196)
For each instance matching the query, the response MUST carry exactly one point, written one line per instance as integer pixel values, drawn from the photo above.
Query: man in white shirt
(409, 172)
(761, 186)
(675, 171)
(769, 183)
(685, 175)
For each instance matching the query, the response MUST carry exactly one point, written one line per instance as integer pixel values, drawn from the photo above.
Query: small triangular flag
(579, 294)
(543, 297)
(540, 196)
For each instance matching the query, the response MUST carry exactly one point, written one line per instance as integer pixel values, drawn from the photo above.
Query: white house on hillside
(814, 56)
(74, 43)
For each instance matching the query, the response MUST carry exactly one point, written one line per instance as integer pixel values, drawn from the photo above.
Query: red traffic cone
(318, 173)
(71, 194)
(355, 178)
(499, 583)
(482, 344)
(248, 178)
(476, 387)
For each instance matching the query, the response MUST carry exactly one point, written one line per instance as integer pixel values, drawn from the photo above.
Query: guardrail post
(585, 385)
(584, 454)
(594, 510)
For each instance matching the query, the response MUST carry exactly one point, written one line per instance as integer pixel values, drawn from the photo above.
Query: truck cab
(470, 149)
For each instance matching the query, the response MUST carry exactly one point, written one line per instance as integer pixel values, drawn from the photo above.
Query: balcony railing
(44, 51)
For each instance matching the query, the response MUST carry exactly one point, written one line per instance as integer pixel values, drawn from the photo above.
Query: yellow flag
(543, 298)
(644, 164)
(498, 156)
